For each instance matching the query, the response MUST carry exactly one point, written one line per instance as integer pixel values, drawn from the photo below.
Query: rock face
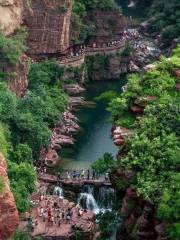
(112, 68)
(10, 15)
(18, 83)
(106, 20)
(48, 24)
(139, 219)
(9, 218)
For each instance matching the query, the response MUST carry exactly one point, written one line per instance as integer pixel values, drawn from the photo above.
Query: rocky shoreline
(62, 133)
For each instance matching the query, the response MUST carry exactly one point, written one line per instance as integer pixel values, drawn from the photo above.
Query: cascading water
(106, 198)
(87, 201)
(58, 191)
(99, 202)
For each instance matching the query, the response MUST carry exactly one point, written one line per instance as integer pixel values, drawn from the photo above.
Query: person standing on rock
(93, 175)
(68, 175)
(107, 177)
(68, 215)
(82, 174)
(88, 174)
(74, 174)
(59, 176)
(41, 211)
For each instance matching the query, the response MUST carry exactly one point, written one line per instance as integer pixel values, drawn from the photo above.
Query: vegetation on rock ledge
(153, 152)
(25, 126)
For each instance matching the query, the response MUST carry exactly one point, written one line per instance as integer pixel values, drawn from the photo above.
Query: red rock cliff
(18, 82)
(48, 23)
(9, 218)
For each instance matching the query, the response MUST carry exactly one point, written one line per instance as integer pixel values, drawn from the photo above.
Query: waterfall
(87, 201)
(99, 202)
(106, 198)
(58, 191)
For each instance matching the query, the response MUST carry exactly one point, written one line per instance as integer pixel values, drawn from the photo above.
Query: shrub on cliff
(82, 9)
(166, 18)
(44, 73)
(12, 47)
(8, 103)
(104, 164)
(23, 178)
(22, 153)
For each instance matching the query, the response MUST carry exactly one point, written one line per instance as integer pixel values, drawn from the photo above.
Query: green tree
(23, 178)
(8, 103)
(22, 153)
(104, 164)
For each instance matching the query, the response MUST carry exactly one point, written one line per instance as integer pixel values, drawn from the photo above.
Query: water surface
(95, 137)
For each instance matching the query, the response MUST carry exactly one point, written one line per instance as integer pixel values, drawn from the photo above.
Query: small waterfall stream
(58, 191)
(86, 199)
(99, 202)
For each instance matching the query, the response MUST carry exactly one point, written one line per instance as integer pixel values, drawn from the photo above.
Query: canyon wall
(139, 221)
(109, 26)
(11, 12)
(9, 218)
(48, 23)
(18, 81)
(10, 15)
(106, 66)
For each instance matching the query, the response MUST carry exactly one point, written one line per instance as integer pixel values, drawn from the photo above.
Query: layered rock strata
(48, 24)
(18, 82)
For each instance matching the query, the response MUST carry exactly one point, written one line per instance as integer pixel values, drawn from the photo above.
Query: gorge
(88, 151)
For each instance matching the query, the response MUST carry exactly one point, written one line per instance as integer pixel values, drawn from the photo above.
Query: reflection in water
(94, 139)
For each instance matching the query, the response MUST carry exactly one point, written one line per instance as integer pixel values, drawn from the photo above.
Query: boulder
(137, 109)
(133, 67)
(51, 158)
(149, 67)
(176, 73)
(145, 225)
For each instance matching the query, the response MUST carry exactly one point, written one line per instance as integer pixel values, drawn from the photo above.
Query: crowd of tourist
(127, 35)
(82, 175)
(51, 211)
